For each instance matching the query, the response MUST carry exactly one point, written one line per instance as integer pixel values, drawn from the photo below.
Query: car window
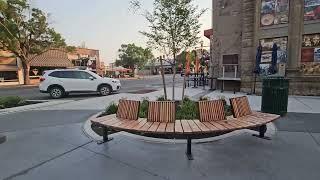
(56, 74)
(68, 74)
(62, 74)
(82, 75)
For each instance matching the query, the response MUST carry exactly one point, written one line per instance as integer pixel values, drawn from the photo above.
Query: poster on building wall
(307, 55)
(267, 45)
(274, 12)
(311, 10)
(310, 48)
(317, 55)
(311, 40)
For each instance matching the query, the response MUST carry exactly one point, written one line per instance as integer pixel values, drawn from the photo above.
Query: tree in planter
(131, 55)
(174, 27)
(26, 32)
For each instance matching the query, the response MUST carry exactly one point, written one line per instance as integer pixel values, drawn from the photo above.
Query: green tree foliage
(174, 27)
(25, 32)
(131, 55)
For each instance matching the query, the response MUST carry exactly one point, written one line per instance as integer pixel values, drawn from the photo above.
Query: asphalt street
(147, 83)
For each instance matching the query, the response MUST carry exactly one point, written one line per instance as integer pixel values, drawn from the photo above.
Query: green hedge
(11, 101)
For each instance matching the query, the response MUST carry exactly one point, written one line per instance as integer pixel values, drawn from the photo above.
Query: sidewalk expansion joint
(129, 165)
(26, 171)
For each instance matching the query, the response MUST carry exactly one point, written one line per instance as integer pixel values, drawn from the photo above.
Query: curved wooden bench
(161, 120)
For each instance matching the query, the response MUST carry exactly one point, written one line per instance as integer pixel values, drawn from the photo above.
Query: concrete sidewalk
(48, 143)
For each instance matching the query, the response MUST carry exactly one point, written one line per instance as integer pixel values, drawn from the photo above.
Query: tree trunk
(163, 80)
(184, 86)
(26, 71)
(174, 76)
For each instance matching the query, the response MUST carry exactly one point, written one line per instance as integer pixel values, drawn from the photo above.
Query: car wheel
(105, 90)
(56, 92)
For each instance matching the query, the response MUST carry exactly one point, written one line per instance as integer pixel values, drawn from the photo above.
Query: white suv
(59, 83)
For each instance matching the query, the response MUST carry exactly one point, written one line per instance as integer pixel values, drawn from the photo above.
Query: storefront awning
(8, 68)
(52, 58)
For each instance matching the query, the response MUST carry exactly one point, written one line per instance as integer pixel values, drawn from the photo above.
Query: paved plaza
(49, 143)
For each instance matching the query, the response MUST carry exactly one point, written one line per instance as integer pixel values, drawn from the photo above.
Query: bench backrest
(240, 106)
(128, 109)
(161, 111)
(211, 110)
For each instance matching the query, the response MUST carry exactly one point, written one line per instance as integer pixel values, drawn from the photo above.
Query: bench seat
(186, 127)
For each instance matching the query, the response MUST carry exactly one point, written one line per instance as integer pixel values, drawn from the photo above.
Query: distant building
(11, 71)
(89, 59)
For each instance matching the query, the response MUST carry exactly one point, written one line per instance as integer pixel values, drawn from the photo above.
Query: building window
(267, 45)
(311, 10)
(274, 12)
(311, 48)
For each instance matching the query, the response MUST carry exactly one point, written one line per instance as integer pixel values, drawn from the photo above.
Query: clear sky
(103, 24)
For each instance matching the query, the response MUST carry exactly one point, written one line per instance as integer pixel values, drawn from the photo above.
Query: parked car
(59, 83)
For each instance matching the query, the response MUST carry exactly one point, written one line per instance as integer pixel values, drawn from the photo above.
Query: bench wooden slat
(101, 119)
(105, 118)
(127, 123)
(218, 126)
(211, 110)
(154, 127)
(161, 111)
(162, 127)
(128, 109)
(237, 125)
(117, 124)
(240, 106)
(133, 124)
(252, 119)
(194, 126)
(146, 126)
(210, 126)
(170, 127)
(110, 122)
(185, 126)
(201, 125)
(243, 123)
(227, 125)
(142, 122)
(178, 127)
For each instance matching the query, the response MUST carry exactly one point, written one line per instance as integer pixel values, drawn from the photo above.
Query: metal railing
(230, 71)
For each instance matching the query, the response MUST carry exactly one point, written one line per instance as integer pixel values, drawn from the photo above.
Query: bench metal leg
(105, 136)
(188, 152)
(262, 131)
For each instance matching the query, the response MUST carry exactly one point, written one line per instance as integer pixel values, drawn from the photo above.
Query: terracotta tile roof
(52, 58)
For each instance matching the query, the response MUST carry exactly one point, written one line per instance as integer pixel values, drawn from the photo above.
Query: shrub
(204, 98)
(11, 101)
(111, 109)
(187, 110)
(227, 107)
(161, 98)
(143, 111)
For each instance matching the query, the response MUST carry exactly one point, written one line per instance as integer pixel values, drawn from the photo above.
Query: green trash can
(275, 92)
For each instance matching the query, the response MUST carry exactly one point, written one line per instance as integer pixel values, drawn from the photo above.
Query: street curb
(33, 107)
(86, 128)
(2, 139)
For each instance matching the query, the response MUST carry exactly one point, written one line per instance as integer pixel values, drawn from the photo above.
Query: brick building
(239, 26)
